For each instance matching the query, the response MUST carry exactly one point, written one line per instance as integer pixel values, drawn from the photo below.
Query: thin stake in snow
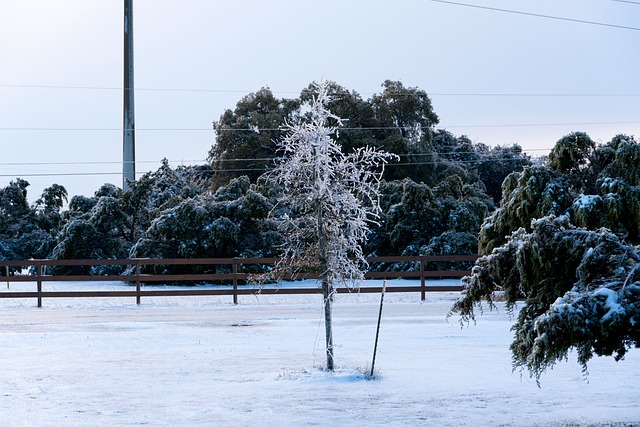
(375, 346)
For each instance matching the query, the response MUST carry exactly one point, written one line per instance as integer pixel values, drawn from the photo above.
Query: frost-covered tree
(533, 193)
(29, 231)
(580, 289)
(110, 223)
(332, 197)
(596, 187)
(563, 243)
(233, 222)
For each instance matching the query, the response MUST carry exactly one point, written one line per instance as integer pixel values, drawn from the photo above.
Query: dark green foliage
(188, 231)
(496, 163)
(571, 153)
(232, 222)
(453, 155)
(451, 243)
(81, 240)
(625, 164)
(246, 136)
(533, 193)
(107, 225)
(538, 191)
(563, 241)
(81, 205)
(29, 231)
(399, 120)
(414, 220)
(417, 219)
(580, 290)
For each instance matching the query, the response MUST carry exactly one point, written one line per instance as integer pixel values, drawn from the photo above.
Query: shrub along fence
(236, 268)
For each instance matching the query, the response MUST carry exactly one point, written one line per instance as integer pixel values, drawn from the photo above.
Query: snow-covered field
(181, 361)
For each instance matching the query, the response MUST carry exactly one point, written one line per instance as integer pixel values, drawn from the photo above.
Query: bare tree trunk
(328, 299)
(327, 288)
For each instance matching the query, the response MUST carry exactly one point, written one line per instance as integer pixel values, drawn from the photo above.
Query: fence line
(137, 277)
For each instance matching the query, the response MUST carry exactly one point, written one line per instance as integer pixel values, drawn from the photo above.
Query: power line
(212, 171)
(116, 88)
(91, 163)
(470, 94)
(538, 15)
(627, 1)
(482, 158)
(260, 159)
(258, 129)
(45, 129)
(544, 124)
(64, 174)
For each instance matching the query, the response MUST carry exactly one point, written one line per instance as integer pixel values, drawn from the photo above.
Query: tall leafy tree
(498, 162)
(405, 126)
(245, 136)
(29, 231)
(398, 120)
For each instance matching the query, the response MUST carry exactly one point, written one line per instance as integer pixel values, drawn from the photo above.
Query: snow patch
(611, 303)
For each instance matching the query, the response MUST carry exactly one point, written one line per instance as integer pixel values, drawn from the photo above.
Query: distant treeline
(434, 199)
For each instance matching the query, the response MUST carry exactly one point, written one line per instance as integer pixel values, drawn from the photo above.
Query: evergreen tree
(107, 225)
(547, 245)
(414, 214)
(245, 137)
(29, 231)
(233, 222)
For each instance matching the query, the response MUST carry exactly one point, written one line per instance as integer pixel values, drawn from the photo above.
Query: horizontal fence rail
(37, 268)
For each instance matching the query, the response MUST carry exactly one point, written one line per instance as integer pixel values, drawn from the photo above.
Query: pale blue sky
(226, 49)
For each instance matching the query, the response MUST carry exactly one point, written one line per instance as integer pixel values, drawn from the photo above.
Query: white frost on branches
(333, 197)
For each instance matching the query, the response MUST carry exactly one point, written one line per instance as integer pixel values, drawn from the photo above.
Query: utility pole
(128, 125)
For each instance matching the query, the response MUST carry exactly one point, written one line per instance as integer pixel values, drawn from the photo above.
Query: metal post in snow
(137, 283)
(234, 269)
(375, 346)
(423, 293)
(39, 285)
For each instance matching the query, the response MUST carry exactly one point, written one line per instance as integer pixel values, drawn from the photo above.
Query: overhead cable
(538, 15)
(259, 129)
(297, 93)
(260, 159)
(212, 171)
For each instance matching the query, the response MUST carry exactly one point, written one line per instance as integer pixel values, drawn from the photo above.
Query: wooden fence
(234, 265)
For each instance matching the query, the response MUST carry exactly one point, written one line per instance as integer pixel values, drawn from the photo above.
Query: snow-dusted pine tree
(564, 244)
(332, 198)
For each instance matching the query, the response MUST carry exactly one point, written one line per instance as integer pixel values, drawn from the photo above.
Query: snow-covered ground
(180, 361)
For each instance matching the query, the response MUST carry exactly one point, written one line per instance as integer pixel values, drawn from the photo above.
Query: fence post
(39, 269)
(423, 290)
(234, 270)
(137, 282)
